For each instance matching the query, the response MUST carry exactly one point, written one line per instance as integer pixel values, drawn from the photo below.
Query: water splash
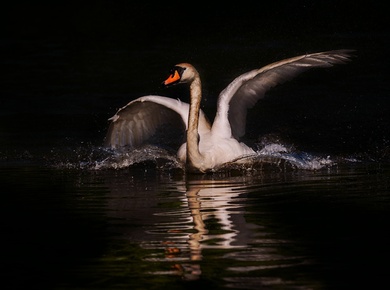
(275, 154)
(118, 159)
(300, 160)
(99, 158)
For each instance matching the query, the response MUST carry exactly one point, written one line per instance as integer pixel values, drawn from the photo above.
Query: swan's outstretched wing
(140, 119)
(136, 122)
(248, 88)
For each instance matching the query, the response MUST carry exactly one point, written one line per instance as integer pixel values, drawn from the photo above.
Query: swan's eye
(178, 69)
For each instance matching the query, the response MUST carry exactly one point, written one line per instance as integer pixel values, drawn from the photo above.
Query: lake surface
(141, 228)
(315, 215)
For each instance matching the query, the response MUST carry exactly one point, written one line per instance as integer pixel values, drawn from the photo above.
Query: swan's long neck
(194, 158)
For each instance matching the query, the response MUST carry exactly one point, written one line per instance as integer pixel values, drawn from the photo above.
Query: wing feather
(140, 119)
(136, 122)
(244, 92)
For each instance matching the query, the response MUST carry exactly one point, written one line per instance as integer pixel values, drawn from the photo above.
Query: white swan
(210, 145)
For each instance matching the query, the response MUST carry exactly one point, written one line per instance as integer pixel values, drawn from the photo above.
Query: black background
(81, 60)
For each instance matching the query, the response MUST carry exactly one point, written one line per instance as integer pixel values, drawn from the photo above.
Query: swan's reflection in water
(183, 224)
(213, 219)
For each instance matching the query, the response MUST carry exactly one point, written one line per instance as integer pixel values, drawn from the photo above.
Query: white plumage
(209, 145)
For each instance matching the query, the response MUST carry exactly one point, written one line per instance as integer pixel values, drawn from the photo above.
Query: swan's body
(209, 145)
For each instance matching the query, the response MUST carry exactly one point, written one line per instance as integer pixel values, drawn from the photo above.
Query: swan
(209, 146)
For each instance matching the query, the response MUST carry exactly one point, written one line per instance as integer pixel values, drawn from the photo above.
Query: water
(309, 211)
(143, 228)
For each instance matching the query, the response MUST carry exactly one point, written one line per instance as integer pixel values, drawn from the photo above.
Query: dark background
(69, 65)
(150, 22)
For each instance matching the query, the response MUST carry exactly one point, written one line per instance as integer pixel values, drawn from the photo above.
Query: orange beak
(172, 78)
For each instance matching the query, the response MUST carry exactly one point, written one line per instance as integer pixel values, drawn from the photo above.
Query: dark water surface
(78, 216)
(139, 228)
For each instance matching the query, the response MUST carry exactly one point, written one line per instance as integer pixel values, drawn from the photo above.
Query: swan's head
(180, 74)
